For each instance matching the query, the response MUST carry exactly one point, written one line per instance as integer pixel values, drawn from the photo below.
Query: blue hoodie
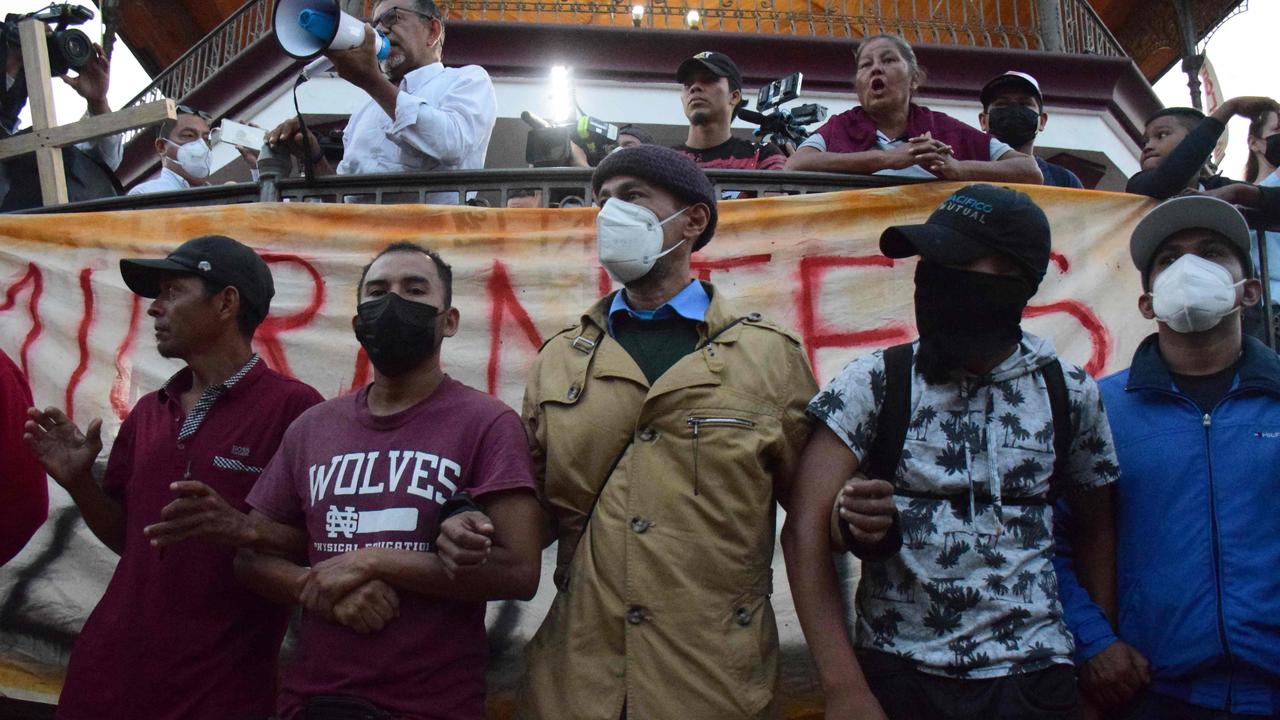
(1197, 534)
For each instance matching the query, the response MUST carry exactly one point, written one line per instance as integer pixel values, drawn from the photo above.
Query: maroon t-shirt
(175, 636)
(354, 480)
(24, 492)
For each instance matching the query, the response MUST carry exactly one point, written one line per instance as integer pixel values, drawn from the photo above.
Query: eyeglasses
(389, 18)
(188, 110)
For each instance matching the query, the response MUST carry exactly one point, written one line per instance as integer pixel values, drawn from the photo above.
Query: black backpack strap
(895, 414)
(881, 462)
(1063, 428)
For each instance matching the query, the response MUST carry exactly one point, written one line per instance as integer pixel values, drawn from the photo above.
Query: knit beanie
(669, 170)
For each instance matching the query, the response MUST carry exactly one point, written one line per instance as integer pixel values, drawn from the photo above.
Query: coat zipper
(698, 422)
(1217, 561)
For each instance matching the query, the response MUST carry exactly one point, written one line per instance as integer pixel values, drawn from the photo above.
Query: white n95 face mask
(629, 239)
(194, 157)
(1193, 294)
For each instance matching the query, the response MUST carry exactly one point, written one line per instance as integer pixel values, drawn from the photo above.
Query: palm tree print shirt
(972, 593)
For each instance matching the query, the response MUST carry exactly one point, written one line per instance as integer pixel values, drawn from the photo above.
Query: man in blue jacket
(1196, 422)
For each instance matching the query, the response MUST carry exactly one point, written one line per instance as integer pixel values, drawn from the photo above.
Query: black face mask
(1015, 125)
(397, 334)
(1273, 150)
(964, 317)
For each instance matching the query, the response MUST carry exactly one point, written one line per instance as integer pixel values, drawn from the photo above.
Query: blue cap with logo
(978, 221)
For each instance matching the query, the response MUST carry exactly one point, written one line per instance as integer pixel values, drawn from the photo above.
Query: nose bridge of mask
(1191, 267)
(639, 213)
(189, 142)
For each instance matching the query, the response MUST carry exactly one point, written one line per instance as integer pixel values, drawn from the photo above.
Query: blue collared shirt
(690, 303)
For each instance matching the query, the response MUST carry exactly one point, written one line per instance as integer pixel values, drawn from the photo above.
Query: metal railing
(244, 27)
(486, 188)
(1084, 33)
(1011, 24)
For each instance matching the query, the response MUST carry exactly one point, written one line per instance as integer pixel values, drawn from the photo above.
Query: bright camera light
(561, 94)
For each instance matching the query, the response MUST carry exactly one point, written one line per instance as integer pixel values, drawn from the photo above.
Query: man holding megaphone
(421, 115)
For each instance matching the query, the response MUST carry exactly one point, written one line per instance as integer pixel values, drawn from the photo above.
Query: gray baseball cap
(1189, 212)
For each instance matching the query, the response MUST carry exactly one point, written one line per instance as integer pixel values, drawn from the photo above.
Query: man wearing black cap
(711, 95)
(629, 135)
(956, 445)
(663, 426)
(1198, 539)
(1013, 112)
(175, 636)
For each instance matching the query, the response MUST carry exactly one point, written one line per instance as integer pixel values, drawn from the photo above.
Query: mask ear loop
(673, 216)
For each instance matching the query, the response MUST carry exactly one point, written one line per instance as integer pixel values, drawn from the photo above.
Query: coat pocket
(702, 425)
(751, 650)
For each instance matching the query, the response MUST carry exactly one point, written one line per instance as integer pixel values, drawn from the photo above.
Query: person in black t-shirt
(711, 96)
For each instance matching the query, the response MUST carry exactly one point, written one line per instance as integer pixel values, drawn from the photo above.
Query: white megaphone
(306, 28)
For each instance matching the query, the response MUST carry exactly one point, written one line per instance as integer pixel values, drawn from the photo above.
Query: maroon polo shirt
(175, 635)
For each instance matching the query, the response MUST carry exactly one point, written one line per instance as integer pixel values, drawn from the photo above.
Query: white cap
(1014, 77)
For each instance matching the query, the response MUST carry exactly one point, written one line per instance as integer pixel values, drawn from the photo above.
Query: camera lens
(69, 50)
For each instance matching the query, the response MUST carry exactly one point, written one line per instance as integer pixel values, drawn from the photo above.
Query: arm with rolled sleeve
(109, 149)
(451, 127)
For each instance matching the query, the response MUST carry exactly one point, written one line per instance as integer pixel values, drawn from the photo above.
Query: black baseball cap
(715, 63)
(1011, 78)
(214, 257)
(978, 221)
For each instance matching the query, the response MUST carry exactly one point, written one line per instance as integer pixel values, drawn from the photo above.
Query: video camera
(548, 144)
(783, 127)
(69, 49)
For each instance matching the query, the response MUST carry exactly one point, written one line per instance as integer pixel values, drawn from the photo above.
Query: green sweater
(655, 345)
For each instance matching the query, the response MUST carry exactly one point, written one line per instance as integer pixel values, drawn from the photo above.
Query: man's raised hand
(66, 453)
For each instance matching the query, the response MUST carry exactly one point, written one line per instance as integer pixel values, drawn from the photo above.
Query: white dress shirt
(164, 182)
(444, 117)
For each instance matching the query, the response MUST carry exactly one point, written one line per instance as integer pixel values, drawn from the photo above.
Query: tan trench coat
(662, 598)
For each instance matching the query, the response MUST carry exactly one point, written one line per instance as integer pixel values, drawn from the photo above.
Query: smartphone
(246, 136)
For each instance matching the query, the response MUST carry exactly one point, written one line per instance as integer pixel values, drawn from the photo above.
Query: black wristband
(460, 502)
(885, 548)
